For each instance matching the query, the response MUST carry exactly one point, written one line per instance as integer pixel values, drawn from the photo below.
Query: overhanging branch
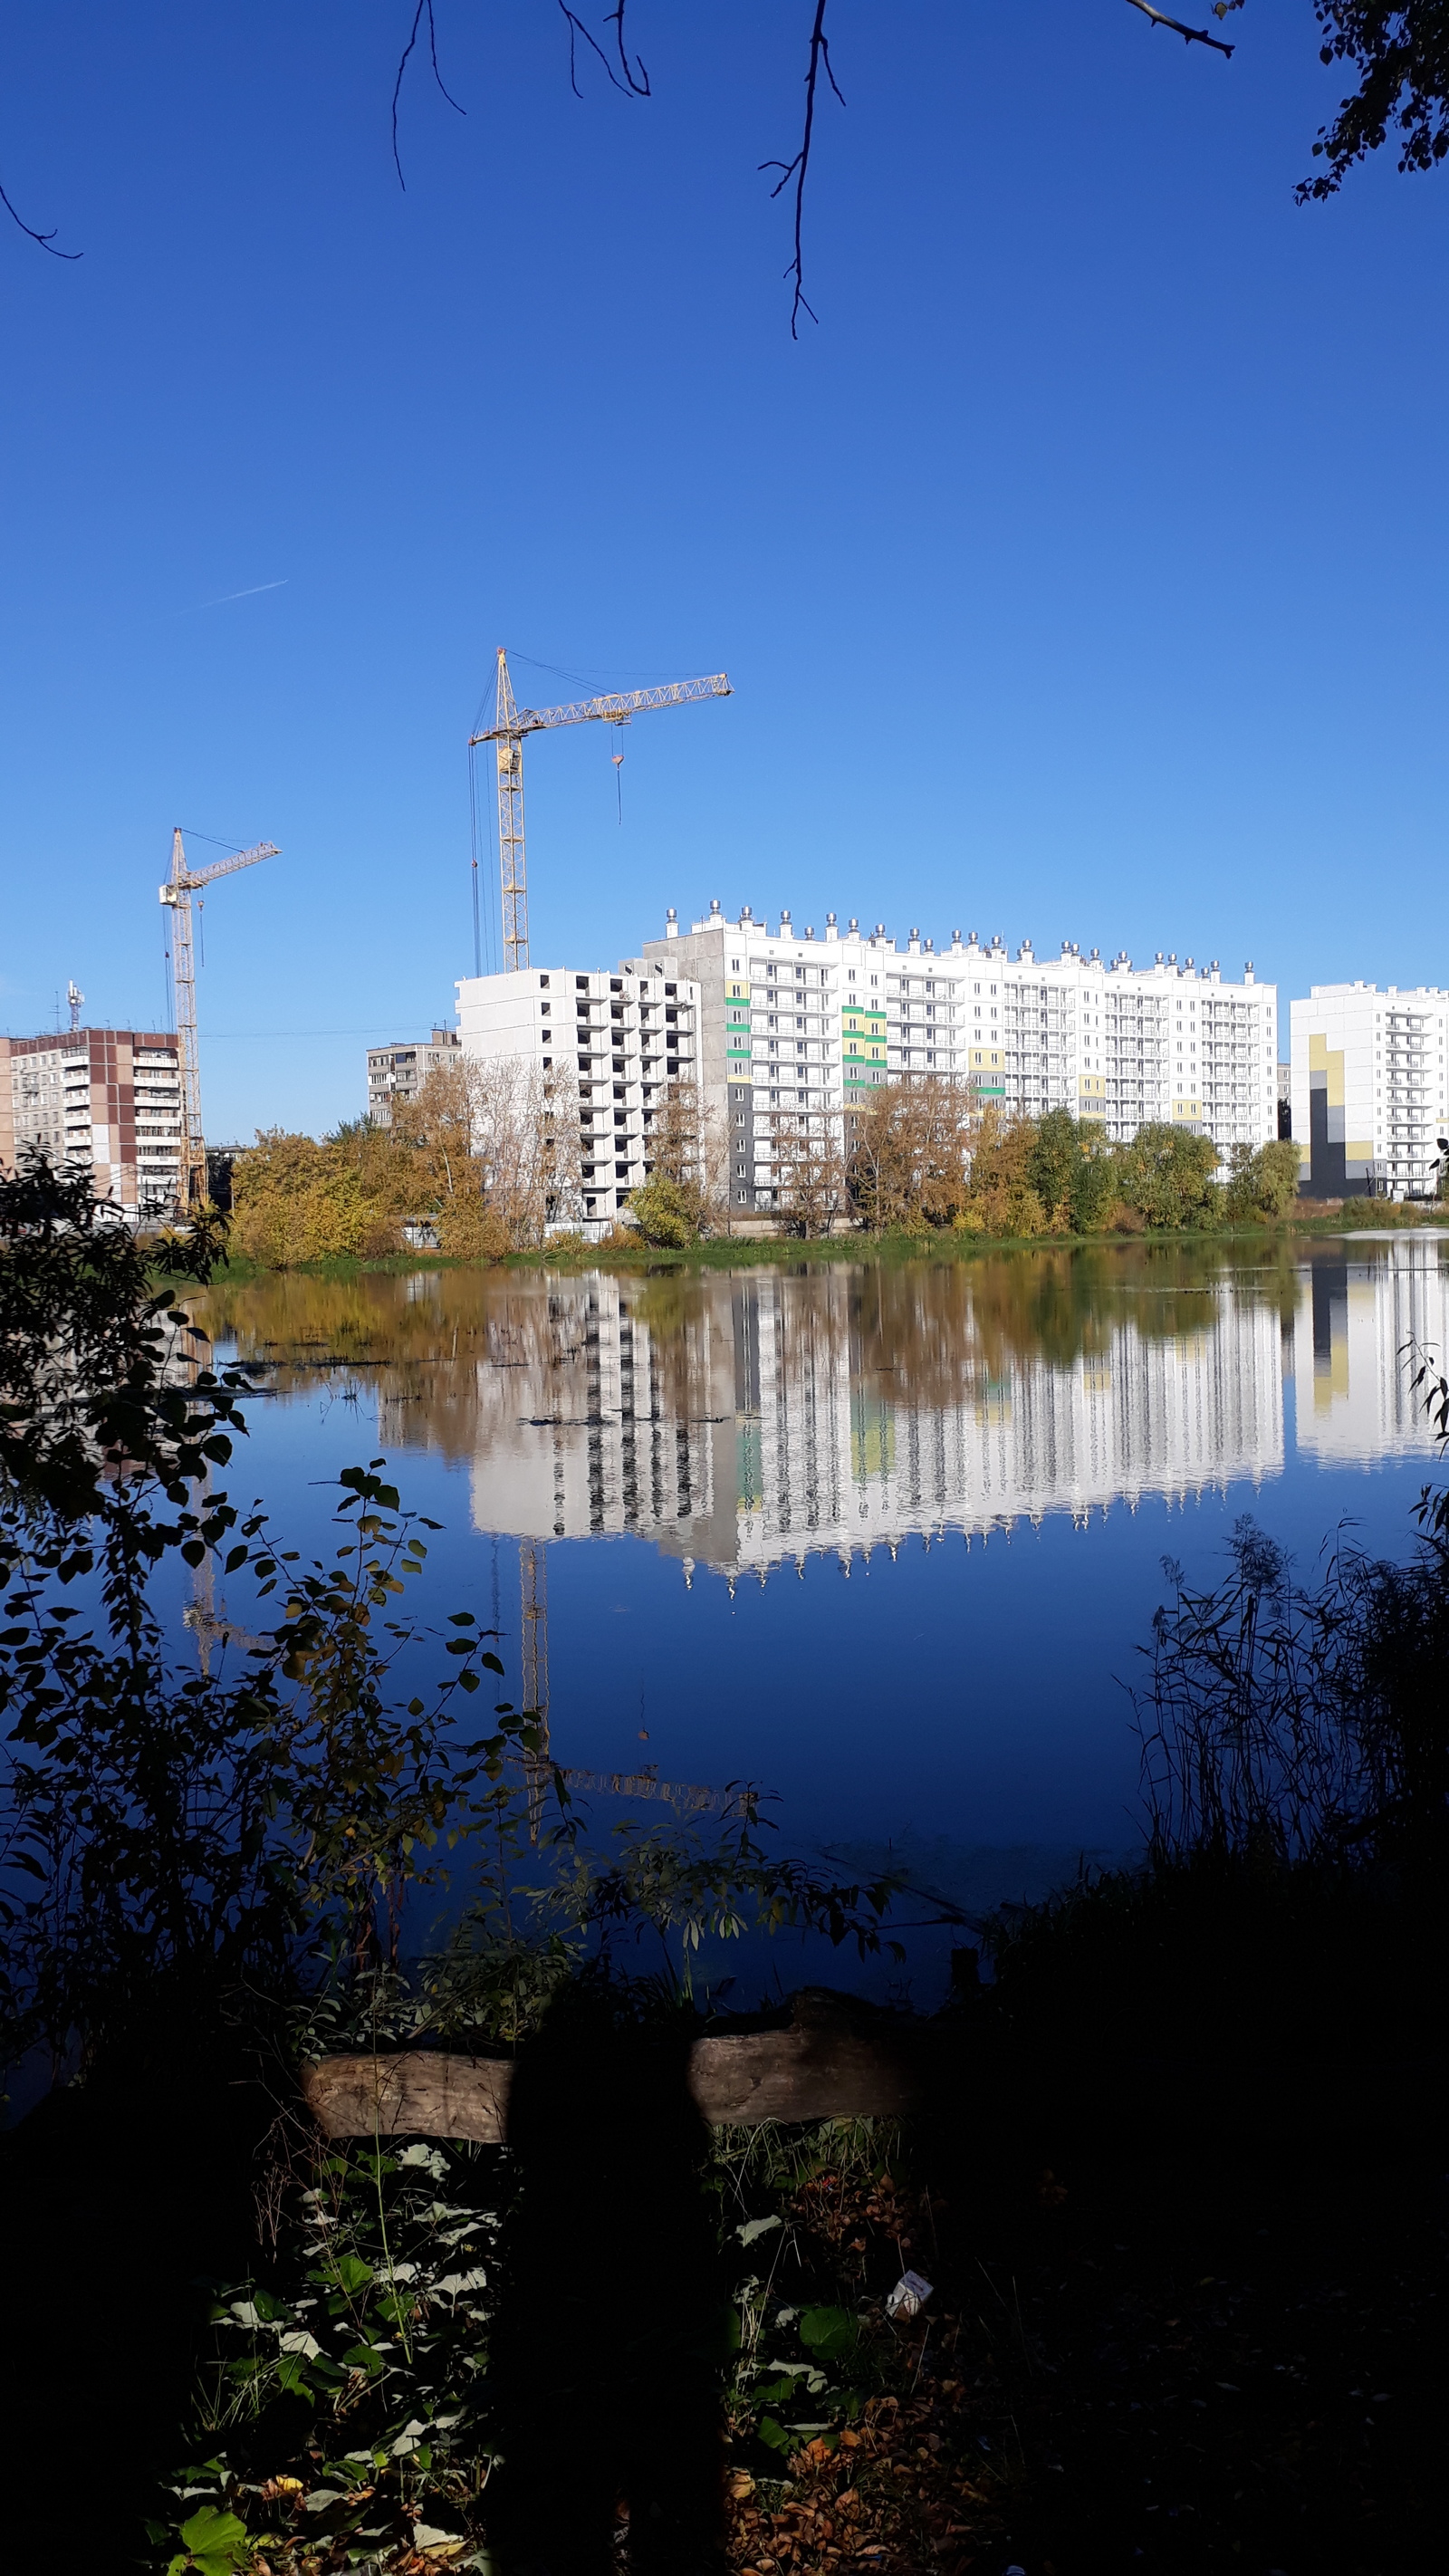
(424, 7)
(1189, 35)
(798, 169)
(46, 241)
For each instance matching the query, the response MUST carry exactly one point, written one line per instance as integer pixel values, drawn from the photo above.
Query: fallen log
(819, 2073)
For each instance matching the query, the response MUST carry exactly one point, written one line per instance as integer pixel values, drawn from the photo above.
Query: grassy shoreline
(732, 1252)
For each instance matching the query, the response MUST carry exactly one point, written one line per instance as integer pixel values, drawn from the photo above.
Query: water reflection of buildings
(1368, 1306)
(743, 1421)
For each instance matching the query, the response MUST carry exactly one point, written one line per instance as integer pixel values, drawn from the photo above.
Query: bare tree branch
(45, 240)
(1189, 35)
(798, 169)
(422, 7)
(640, 87)
(628, 86)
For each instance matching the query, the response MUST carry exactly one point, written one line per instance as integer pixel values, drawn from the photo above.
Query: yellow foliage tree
(909, 1156)
(1000, 1198)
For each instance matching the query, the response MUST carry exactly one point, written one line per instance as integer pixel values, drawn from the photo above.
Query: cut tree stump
(817, 2073)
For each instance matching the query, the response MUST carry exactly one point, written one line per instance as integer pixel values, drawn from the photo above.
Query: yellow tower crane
(178, 890)
(511, 724)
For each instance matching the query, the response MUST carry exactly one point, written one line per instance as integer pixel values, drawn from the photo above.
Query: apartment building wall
(792, 1024)
(106, 1101)
(398, 1072)
(607, 1047)
(1370, 1089)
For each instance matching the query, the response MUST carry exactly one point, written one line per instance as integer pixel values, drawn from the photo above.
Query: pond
(885, 1536)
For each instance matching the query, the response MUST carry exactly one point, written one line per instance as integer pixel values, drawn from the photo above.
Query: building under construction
(105, 1101)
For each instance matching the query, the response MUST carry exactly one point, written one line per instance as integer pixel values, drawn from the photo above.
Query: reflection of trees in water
(465, 1350)
(944, 1334)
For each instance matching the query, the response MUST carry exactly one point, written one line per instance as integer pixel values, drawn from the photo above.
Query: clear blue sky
(1083, 574)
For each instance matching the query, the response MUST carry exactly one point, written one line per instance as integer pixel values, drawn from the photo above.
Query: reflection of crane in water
(538, 1765)
(212, 1629)
(210, 1626)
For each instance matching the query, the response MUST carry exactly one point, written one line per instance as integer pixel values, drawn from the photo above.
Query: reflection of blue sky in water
(901, 1528)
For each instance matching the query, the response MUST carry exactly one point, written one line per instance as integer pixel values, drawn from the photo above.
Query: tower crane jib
(508, 731)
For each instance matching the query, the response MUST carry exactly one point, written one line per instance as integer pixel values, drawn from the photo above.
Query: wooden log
(417, 2094)
(819, 2074)
(743, 2079)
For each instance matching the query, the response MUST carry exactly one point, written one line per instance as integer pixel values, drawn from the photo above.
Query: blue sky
(1082, 575)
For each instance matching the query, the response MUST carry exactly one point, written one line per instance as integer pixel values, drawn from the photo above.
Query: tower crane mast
(177, 892)
(510, 727)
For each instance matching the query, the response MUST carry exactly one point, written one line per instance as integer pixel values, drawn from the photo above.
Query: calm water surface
(883, 1536)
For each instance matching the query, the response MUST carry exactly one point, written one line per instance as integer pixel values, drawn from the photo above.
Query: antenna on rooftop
(75, 997)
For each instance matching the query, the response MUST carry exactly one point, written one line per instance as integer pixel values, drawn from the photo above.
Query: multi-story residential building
(606, 1046)
(1370, 1090)
(398, 1072)
(792, 1025)
(106, 1101)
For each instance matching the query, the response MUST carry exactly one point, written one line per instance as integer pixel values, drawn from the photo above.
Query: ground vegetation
(1177, 2188)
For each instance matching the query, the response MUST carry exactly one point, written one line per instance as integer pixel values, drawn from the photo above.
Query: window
(543, 984)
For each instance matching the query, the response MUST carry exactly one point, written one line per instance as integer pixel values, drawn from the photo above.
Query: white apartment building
(606, 1046)
(1370, 1089)
(793, 1024)
(105, 1101)
(398, 1072)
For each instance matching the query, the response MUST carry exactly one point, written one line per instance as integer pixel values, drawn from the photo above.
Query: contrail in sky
(257, 586)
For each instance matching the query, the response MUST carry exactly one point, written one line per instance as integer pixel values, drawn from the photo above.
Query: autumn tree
(909, 1156)
(1001, 1197)
(486, 1154)
(685, 1192)
(1166, 1174)
(1262, 1181)
(437, 1126)
(810, 1186)
(526, 1137)
(1072, 1169)
(302, 1198)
